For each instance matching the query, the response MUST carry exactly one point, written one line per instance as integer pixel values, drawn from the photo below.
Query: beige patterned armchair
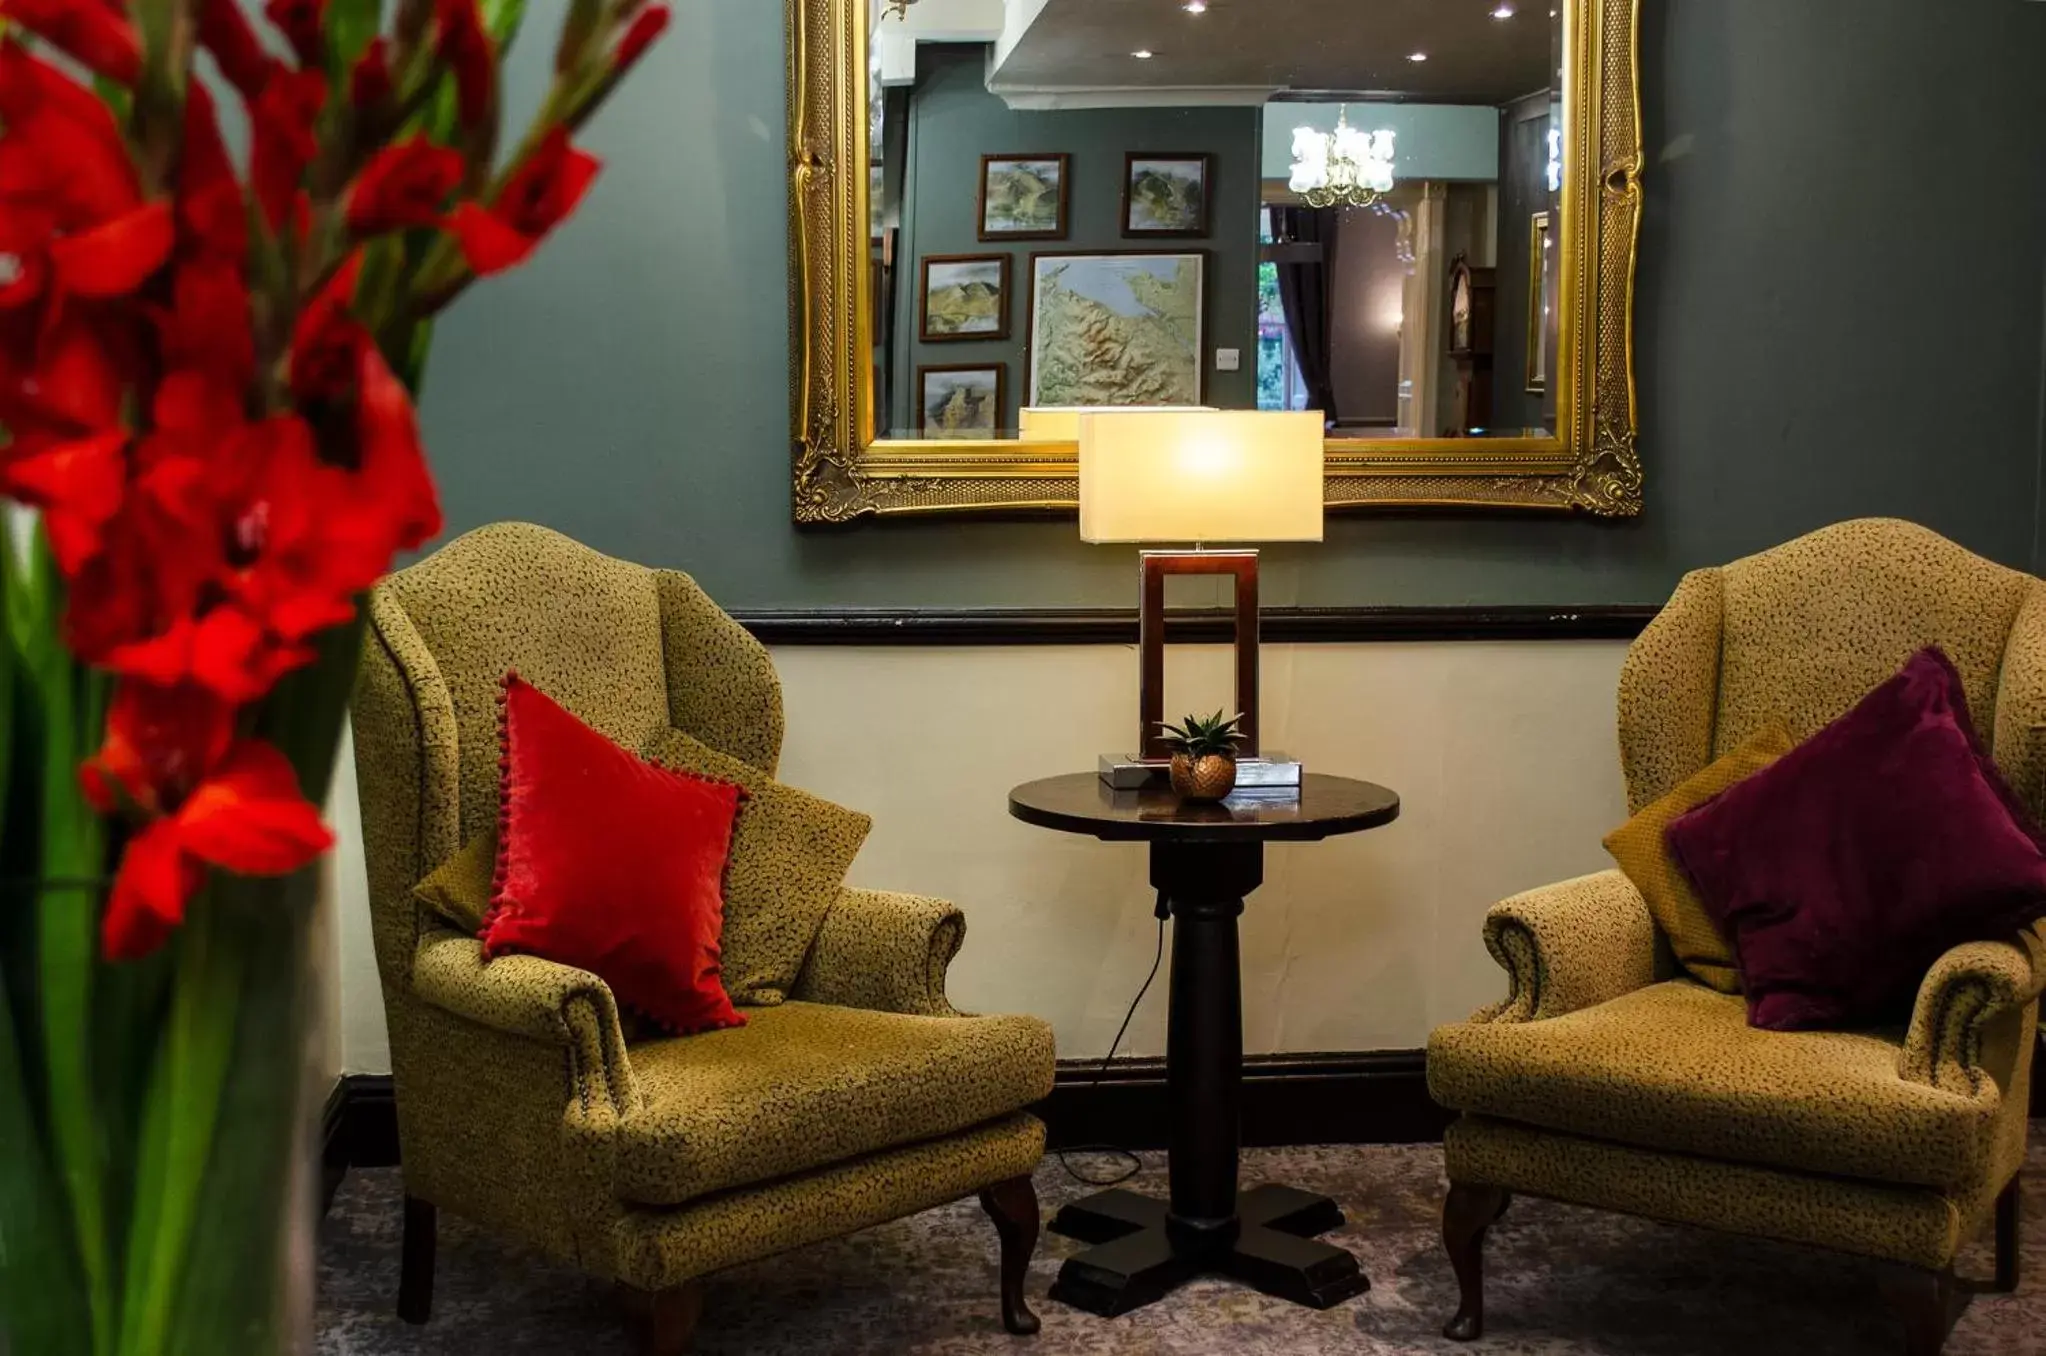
(522, 1103)
(1606, 1080)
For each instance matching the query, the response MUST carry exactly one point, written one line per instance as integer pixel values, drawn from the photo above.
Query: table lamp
(1202, 477)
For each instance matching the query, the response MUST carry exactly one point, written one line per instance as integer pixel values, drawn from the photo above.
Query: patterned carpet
(1563, 1282)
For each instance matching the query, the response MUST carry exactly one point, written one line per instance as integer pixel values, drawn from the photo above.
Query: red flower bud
(403, 185)
(210, 207)
(537, 198)
(467, 51)
(646, 26)
(281, 138)
(301, 22)
(224, 32)
(98, 35)
(370, 82)
(327, 342)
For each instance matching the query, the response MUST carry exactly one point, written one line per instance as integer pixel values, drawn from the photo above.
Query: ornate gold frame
(842, 474)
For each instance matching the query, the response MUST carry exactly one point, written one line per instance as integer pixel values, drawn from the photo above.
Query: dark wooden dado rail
(1118, 626)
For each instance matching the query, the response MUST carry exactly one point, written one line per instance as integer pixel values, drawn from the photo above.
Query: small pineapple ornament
(1204, 756)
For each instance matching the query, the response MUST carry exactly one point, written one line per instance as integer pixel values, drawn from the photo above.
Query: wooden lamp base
(1155, 566)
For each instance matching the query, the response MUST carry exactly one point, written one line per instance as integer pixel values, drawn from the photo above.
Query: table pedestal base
(1140, 1256)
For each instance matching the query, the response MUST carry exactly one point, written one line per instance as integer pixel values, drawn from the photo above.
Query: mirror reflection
(1347, 206)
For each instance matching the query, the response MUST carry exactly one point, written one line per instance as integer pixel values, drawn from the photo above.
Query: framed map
(1117, 329)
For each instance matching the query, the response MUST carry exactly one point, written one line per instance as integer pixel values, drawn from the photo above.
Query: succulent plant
(1214, 736)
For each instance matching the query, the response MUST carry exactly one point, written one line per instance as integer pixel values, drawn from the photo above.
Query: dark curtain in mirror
(1302, 239)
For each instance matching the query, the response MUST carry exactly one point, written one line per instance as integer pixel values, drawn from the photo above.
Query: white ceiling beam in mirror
(1085, 53)
(896, 32)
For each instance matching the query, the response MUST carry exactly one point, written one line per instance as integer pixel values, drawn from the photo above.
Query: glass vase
(157, 1157)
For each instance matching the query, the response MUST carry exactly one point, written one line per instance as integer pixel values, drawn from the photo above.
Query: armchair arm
(539, 1000)
(885, 952)
(1964, 992)
(1568, 946)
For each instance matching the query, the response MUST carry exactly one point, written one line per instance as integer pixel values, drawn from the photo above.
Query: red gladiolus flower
(282, 143)
(404, 185)
(535, 200)
(117, 256)
(78, 484)
(301, 22)
(98, 35)
(205, 329)
(646, 26)
(61, 152)
(226, 33)
(391, 476)
(210, 798)
(369, 84)
(466, 50)
(78, 377)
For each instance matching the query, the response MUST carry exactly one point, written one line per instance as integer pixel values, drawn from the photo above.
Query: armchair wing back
(627, 648)
(1804, 631)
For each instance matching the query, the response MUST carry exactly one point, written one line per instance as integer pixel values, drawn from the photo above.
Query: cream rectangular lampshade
(1217, 476)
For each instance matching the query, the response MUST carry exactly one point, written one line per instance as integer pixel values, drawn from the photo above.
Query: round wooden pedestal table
(1205, 861)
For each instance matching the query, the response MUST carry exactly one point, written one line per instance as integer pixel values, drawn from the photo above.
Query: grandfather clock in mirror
(1470, 347)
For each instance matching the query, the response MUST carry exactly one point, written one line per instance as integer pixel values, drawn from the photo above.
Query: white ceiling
(1270, 45)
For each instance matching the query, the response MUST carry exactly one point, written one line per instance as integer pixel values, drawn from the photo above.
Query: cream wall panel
(1503, 755)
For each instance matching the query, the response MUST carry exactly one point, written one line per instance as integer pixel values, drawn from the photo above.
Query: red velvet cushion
(611, 864)
(1845, 869)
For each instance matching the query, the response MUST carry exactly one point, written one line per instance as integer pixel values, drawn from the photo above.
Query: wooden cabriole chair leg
(415, 1267)
(1467, 1213)
(2007, 1239)
(665, 1319)
(1013, 1207)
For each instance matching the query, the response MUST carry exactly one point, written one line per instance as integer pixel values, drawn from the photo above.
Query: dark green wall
(1840, 313)
(1523, 191)
(954, 121)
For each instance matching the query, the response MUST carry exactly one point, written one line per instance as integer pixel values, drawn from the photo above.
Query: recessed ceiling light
(1143, 54)
(1195, 6)
(1417, 56)
(1503, 12)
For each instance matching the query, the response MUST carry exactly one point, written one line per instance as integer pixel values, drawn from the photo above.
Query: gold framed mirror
(1003, 208)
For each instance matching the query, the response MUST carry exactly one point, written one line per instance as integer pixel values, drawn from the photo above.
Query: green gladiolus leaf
(349, 25)
(501, 19)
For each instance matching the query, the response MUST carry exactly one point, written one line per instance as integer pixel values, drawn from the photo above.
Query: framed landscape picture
(965, 296)
(1025, 197)
(1117, 328)
(961, 400)
(1166, 196)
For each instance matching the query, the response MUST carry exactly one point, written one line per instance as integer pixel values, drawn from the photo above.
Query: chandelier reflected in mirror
(1346, 166)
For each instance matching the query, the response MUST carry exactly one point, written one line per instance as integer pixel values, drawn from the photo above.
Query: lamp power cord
(1131, 1164)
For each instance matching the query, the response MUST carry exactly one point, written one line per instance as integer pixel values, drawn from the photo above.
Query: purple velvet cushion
(1846, 868)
